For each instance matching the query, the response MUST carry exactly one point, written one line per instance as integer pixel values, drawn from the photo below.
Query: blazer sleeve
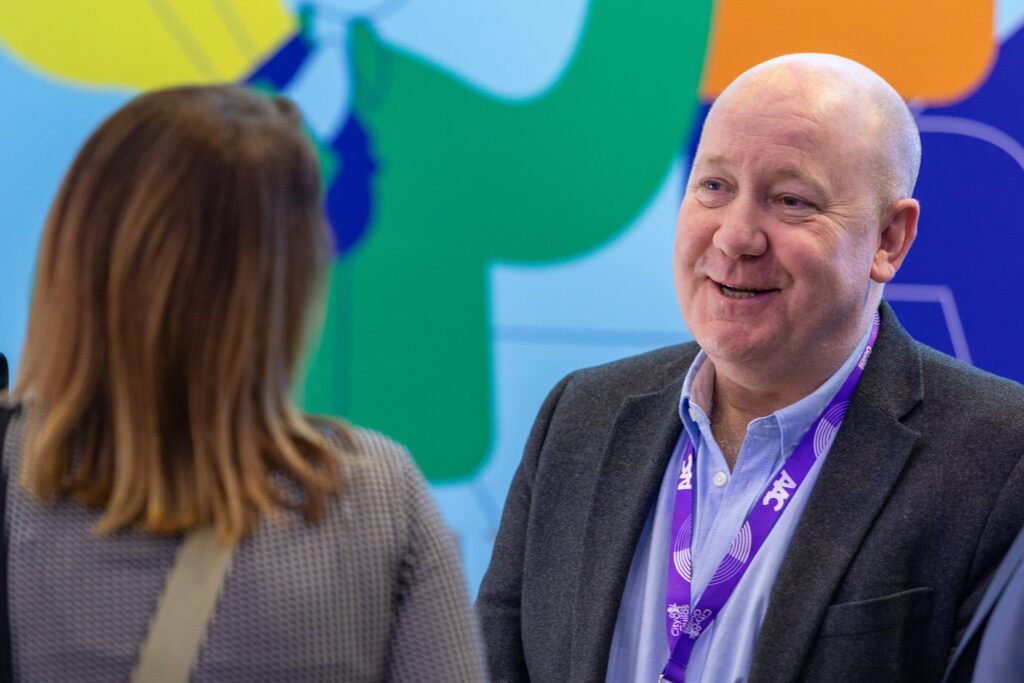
(996, 627)
(1001, 528)
(498, 603)
(435, 635)
(1000, 656)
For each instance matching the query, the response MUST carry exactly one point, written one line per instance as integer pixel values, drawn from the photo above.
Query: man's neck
(736, 402)
(732, 408)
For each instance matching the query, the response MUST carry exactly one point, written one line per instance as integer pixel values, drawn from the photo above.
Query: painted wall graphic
(502, 180)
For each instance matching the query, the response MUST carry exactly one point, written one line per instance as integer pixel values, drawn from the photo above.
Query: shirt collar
(791, 422)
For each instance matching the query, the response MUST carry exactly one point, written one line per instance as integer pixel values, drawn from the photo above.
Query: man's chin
(736, 347)
(736, 340)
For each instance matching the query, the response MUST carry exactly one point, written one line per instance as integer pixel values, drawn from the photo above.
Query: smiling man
(805, 493)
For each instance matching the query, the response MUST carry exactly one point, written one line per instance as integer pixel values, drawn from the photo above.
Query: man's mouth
(734, 292)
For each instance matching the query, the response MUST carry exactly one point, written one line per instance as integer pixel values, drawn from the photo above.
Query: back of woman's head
(172, 288)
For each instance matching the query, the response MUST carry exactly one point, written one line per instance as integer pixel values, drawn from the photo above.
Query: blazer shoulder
(972, 389)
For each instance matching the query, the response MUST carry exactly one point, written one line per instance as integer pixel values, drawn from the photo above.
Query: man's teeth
(737, 293)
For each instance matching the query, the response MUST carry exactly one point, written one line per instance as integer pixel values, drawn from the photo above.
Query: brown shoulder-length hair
(171, 295)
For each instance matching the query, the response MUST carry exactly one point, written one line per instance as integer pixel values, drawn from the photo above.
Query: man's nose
(740, 232)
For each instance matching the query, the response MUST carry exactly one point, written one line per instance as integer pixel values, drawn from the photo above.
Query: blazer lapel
(642, 439)
(864, 464)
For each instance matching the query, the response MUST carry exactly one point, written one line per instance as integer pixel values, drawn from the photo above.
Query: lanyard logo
(779, 492)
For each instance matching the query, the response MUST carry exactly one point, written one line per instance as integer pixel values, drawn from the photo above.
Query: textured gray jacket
(920, 497)
(372, 592)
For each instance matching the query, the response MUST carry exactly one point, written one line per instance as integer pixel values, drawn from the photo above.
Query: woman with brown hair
(172, 295)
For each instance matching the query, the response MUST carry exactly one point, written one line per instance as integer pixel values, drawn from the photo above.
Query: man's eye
(712, 185)
(789, 201)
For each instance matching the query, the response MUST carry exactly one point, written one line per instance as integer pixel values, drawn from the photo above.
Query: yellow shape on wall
(932, 51)
(144, 44)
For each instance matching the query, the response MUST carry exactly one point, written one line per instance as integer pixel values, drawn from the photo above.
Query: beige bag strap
(184, 610)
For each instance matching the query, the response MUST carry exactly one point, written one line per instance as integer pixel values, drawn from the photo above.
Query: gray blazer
(919, 498)
(372, 592)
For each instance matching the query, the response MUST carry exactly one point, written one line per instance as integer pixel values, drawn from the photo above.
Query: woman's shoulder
(369, 459)
(373, 445)
(382, 488)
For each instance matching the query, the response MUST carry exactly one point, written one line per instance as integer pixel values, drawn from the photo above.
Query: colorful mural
(502, 180)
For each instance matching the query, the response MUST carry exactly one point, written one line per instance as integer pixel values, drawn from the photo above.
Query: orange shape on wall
(931, 51)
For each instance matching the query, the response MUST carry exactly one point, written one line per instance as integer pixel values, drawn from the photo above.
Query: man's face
(776, 233)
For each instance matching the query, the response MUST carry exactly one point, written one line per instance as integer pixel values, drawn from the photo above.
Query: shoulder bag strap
(184, 610)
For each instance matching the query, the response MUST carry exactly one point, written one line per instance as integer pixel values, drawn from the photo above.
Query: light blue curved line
(955, 125)
(942, 295)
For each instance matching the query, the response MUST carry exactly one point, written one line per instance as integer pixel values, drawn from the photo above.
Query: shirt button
(720, 478)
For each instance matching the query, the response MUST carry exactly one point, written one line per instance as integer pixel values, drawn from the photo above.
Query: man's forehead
(791, 116)
(788, 146)
(793, 128)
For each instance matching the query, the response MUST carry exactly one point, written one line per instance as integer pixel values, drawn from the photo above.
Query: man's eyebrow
(798, 174)
(709, 160)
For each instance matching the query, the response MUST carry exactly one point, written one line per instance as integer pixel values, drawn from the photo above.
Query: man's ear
(895, 238)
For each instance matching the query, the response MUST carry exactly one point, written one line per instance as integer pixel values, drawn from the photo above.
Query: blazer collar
(645, 431)
(865, 462)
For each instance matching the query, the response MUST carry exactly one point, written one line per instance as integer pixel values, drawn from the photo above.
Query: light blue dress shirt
(723, 500)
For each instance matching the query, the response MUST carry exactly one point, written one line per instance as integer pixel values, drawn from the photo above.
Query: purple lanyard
(684, 622)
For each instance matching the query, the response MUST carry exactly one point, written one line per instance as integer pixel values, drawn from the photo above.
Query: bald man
(805, 492)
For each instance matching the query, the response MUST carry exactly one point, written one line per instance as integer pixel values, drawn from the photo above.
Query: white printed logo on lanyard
(682, 558)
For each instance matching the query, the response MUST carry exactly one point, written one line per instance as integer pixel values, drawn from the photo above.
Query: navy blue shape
(927, 322)
(691, 143)
(349, 200)
(971, 234)
(280, 68)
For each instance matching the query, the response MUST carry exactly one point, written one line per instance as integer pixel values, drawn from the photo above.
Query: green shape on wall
(465, 179)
